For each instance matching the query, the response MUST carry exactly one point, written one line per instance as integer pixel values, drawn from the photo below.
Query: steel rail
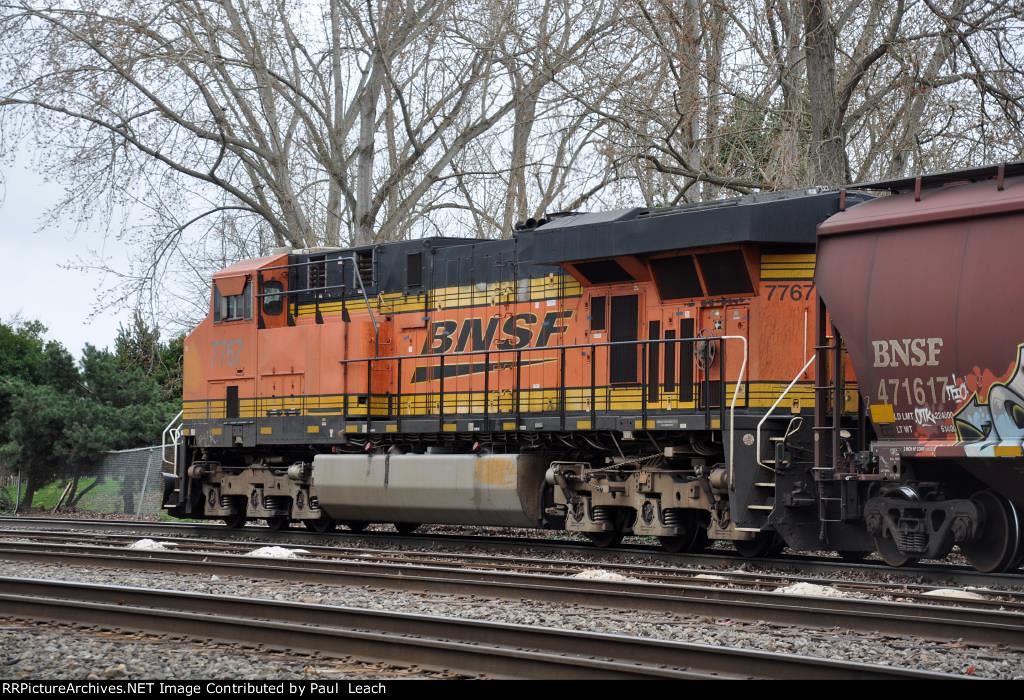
(468, 646)
(936, 622)
(1007, 599)
(938, 573)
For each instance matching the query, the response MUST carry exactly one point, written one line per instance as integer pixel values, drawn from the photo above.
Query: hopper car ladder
(829, 400)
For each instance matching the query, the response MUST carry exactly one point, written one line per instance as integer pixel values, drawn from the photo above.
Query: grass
(105, 497)
(99, 498)
(46, 496)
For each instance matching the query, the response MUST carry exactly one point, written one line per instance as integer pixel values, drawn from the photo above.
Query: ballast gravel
(38, 650)
(909, 652)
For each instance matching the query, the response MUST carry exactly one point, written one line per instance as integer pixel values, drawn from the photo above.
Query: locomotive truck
(823, 369)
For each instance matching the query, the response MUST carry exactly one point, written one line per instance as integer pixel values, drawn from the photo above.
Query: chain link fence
(125, 482)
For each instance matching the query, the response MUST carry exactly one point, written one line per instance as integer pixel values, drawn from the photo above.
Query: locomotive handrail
(466, 353)
(768, 413)
(173, 430)
(366, 297)
(440, 357)
(732, 406)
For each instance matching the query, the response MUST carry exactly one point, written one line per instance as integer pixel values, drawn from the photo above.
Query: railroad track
(1002, 599)
(465, 646)
(972, 622)
(937, 574)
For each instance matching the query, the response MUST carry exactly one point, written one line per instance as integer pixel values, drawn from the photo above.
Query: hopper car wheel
(278, 522)
(764, 544)
(322, 524)
(998, 546)
(407, 528)
(891, 554)
(235, 520)
(356, 525)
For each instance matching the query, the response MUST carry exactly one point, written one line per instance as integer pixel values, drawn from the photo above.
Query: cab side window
(273, 298)
(232, 307)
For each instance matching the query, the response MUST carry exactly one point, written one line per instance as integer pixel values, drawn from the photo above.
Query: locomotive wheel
(764, 544)
(997, 546)
(693, 539)
(236, 520)
(407, 528)
(852, 556)
(278, 522)
(356, 525)
(891, 554)
(608, 538)
(689, 542)
(322, 524)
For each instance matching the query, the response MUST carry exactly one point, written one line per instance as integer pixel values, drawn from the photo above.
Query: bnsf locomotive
(822, 369)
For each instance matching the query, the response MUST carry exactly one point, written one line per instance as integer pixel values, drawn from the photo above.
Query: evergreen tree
(58, 417)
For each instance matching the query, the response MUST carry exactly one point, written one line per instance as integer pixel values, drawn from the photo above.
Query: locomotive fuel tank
(456, 489)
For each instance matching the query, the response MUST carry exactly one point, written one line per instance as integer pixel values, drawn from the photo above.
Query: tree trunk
(30, 493)
(364, 215)
(81, 494)
(914, 108)
(73, 493)
(516, 206)
(336, 139)
(789, 162)
(689, 90)
(17, 495)
(827, 148)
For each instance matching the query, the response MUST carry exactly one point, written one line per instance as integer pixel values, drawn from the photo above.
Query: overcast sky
(36, 284)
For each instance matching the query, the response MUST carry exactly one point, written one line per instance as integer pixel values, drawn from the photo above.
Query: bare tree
(203, 132)
(804, 92)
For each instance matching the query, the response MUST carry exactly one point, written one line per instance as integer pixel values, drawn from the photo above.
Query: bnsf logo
(908, 352)
(518, 332)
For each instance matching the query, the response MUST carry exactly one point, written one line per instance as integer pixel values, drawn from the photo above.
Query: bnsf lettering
(523, 333)
(551, 327)
(908, 352)
(472, 329)
(474, 336)
(439, 339)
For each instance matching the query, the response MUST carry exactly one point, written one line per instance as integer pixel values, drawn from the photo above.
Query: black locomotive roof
(904, 184)
(776, 217)
(783, 218)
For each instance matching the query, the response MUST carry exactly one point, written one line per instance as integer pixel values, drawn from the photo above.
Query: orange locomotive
(668, 373)
(603, 373)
